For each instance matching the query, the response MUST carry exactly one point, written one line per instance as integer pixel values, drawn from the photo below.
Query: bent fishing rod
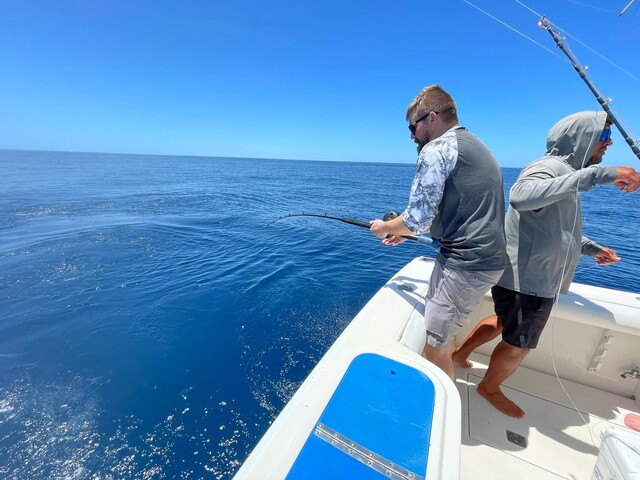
(421, 239)
(546, 25)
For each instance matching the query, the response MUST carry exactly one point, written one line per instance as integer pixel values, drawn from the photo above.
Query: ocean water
(152, 325)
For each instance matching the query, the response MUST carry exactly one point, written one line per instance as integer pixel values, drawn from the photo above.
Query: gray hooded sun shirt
(543, 225)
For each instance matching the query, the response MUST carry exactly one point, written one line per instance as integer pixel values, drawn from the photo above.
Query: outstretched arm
(628, 179)
(603, 255)
(606, 256)
(538, 186)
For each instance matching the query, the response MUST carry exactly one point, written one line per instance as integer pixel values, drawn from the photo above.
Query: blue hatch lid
(379, 418)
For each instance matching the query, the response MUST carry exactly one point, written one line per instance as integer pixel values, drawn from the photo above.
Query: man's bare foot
(632, 420)
(461, 361)
(500, 402)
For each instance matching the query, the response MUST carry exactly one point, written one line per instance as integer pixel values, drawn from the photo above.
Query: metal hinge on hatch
(363, 455)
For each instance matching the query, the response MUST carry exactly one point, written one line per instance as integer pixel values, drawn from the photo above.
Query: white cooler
(619, 457)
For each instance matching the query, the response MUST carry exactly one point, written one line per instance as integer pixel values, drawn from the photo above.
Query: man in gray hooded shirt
(543, 227)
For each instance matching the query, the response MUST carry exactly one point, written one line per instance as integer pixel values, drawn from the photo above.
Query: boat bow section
(372, 407)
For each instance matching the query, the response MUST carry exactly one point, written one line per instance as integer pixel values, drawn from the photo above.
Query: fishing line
(559, 42)
(546, 24)
(513, 29)
(553, 316)
(557, 298)
(610, 62)
(627, 8)
(538, 15)
(604, 103)
(581, 70)
(595, 7)
(633, 145)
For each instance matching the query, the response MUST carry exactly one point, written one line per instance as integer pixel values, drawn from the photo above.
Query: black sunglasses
(413, 126)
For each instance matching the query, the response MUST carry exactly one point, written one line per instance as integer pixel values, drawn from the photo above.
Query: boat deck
(552, 441)
(593, 340)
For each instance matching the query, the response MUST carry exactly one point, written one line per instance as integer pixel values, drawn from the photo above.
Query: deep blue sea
(152, 326)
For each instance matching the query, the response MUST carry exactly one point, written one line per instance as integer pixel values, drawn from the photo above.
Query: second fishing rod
(545, 24)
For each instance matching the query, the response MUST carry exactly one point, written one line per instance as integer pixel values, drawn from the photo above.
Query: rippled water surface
(152, 325)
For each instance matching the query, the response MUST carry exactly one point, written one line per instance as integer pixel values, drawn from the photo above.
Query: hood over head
(575, 137)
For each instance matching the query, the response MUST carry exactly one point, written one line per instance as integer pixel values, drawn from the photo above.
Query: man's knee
(510, 351)
(434, 353)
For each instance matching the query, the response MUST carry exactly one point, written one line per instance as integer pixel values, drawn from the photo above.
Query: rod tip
(543, 23)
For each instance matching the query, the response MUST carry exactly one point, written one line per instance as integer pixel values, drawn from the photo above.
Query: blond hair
(433, 99)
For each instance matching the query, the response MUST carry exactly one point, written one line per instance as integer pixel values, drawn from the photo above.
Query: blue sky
(326, 80)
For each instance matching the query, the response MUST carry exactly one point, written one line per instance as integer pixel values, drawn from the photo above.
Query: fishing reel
(390, 215)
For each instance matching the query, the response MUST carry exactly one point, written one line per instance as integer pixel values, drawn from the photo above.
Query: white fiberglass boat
(374, 408)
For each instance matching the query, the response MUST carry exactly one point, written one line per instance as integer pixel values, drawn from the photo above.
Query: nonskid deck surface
(552, 441)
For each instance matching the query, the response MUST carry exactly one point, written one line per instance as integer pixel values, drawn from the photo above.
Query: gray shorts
(452, 295)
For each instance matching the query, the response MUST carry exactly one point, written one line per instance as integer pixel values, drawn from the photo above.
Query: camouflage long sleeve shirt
(436, 161)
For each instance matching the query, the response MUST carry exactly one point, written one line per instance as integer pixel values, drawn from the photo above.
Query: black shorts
(523, 316)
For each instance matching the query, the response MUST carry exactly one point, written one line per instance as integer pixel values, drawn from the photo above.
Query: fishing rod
(421, 239)
(546, 25)
(626, 8)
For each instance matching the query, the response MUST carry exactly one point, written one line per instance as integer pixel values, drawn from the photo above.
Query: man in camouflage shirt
(457, 196)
